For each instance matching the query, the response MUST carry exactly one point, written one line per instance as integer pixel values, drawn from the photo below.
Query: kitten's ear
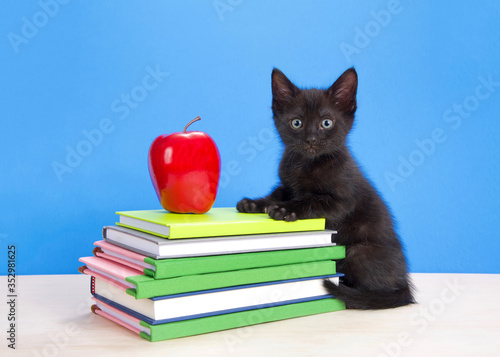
(283, 89)
(343, 91)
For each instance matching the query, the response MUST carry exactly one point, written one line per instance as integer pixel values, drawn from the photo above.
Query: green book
(203, 325)
(147, 287)
(143, 286)
(201, 265)
(216, 222)
(174, 267)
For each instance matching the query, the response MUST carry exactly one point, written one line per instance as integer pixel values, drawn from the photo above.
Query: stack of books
(164, 275)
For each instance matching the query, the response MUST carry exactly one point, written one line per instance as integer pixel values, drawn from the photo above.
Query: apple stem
(191, 122)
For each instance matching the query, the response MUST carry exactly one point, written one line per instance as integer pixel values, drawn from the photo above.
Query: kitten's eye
(296, 123)
(327, 123)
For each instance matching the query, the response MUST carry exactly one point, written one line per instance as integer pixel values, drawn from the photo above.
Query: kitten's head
(314, 122)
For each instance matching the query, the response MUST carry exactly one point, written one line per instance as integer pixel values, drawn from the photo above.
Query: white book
(161, 248)
(185, 306)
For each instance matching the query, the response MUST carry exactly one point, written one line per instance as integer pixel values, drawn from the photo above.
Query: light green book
(203, 325)
(216, 222)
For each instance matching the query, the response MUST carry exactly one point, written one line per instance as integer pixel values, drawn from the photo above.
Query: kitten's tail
(368, 300)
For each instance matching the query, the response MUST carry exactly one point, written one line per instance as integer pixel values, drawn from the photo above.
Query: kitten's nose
(311, 140)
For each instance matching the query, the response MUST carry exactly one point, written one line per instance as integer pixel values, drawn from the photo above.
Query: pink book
(116, 270)
(119, 250)
(108, 280)
(116, 315)
(100, 254)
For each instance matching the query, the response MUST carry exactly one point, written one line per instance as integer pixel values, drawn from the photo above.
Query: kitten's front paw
(281, 213)
(247, 205)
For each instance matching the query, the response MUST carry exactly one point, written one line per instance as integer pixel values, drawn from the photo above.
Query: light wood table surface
(456, 315)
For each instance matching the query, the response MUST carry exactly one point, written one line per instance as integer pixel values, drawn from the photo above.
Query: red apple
(185, 169)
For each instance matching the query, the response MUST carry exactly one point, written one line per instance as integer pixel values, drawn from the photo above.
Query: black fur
(320, 178)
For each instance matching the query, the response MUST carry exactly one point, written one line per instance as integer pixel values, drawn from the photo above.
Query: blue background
(426, 130)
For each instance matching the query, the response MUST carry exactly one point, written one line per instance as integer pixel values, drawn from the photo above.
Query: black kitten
(319, 178)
